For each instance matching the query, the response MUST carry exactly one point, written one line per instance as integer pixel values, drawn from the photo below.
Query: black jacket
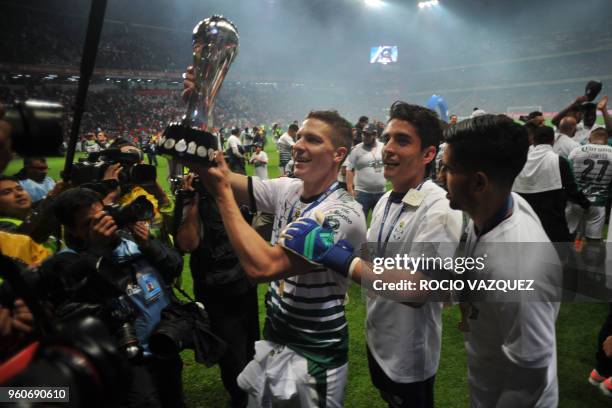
(87, 276)
(214, 264)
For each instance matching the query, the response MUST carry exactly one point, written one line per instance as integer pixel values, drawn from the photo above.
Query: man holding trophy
(304, 359)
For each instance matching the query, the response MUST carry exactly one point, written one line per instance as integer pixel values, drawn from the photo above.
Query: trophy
(215, 45)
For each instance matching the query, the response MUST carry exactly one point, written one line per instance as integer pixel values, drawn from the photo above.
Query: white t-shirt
(233, 142)
(509, 335)
(405, 341)
(367, 164)
(582, 133)
(541, 172)
(260, 162)
(306, 312)
(564, 145)
(284, 144)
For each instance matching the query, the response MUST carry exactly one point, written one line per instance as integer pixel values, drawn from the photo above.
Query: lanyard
(383, 249)
(318, 201)
(501, 215)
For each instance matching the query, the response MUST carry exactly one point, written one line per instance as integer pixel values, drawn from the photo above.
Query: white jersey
(591, 164)
(582, 133)
(260, 163)
(505, 336)
(367, 163)
(564, 145)
(306, 312)
(405, 341)
(284, 144)
(234, 144)
(541, 172)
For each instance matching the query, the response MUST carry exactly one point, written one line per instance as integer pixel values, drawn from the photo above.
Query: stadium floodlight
(373, 3)
(428, 4)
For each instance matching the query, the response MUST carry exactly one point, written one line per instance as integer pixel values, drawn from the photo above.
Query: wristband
(352, 267)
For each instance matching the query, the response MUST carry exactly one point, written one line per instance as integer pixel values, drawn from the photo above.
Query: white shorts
(594, 218)
(279, 377)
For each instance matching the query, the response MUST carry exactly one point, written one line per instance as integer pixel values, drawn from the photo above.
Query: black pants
(156, 383)
(235, 319)
(401, 395)
(604, 364)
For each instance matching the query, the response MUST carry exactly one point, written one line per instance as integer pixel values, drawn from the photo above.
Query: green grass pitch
(577, 328)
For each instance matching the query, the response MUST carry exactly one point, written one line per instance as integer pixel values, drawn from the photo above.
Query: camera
(92, 168)
(186, 326)
(176, 184)
(140, 209)
(81, 356)
(121, 313)
(36, 127)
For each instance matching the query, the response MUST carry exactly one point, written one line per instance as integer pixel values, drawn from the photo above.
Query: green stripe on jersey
(325, 342)
(305, 312)
(329, 354)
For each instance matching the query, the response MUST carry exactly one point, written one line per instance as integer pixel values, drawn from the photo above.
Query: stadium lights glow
(373, 3)
(428, 4)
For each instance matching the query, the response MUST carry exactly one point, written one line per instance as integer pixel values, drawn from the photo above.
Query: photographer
(19, 216)
(219, 282)
(15, 203)
(125, 192)
(101, 255)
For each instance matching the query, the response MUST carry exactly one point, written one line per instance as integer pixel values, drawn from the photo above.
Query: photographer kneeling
(131, 263)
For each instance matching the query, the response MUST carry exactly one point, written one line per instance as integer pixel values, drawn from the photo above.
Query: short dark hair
(9, 178)
(363, 119)
(27, 161)
(342, 136)
(534, 114)
(119, 142)
(544, 135)
(493, 144)
(68, 203)
(425, 121)
(294, 127)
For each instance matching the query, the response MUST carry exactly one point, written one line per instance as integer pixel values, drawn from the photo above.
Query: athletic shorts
(590, 220)
(278, 376)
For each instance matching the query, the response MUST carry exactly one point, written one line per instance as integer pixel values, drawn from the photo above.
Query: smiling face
(404, 160)
(14, 200)
(315, 156)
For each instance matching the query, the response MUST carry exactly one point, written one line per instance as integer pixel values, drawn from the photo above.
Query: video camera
(36, 127)
(92, 168)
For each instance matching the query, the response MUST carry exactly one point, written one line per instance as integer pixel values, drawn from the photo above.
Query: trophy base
(187, 144)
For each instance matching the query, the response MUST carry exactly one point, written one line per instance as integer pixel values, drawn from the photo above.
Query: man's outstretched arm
(261, 262)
